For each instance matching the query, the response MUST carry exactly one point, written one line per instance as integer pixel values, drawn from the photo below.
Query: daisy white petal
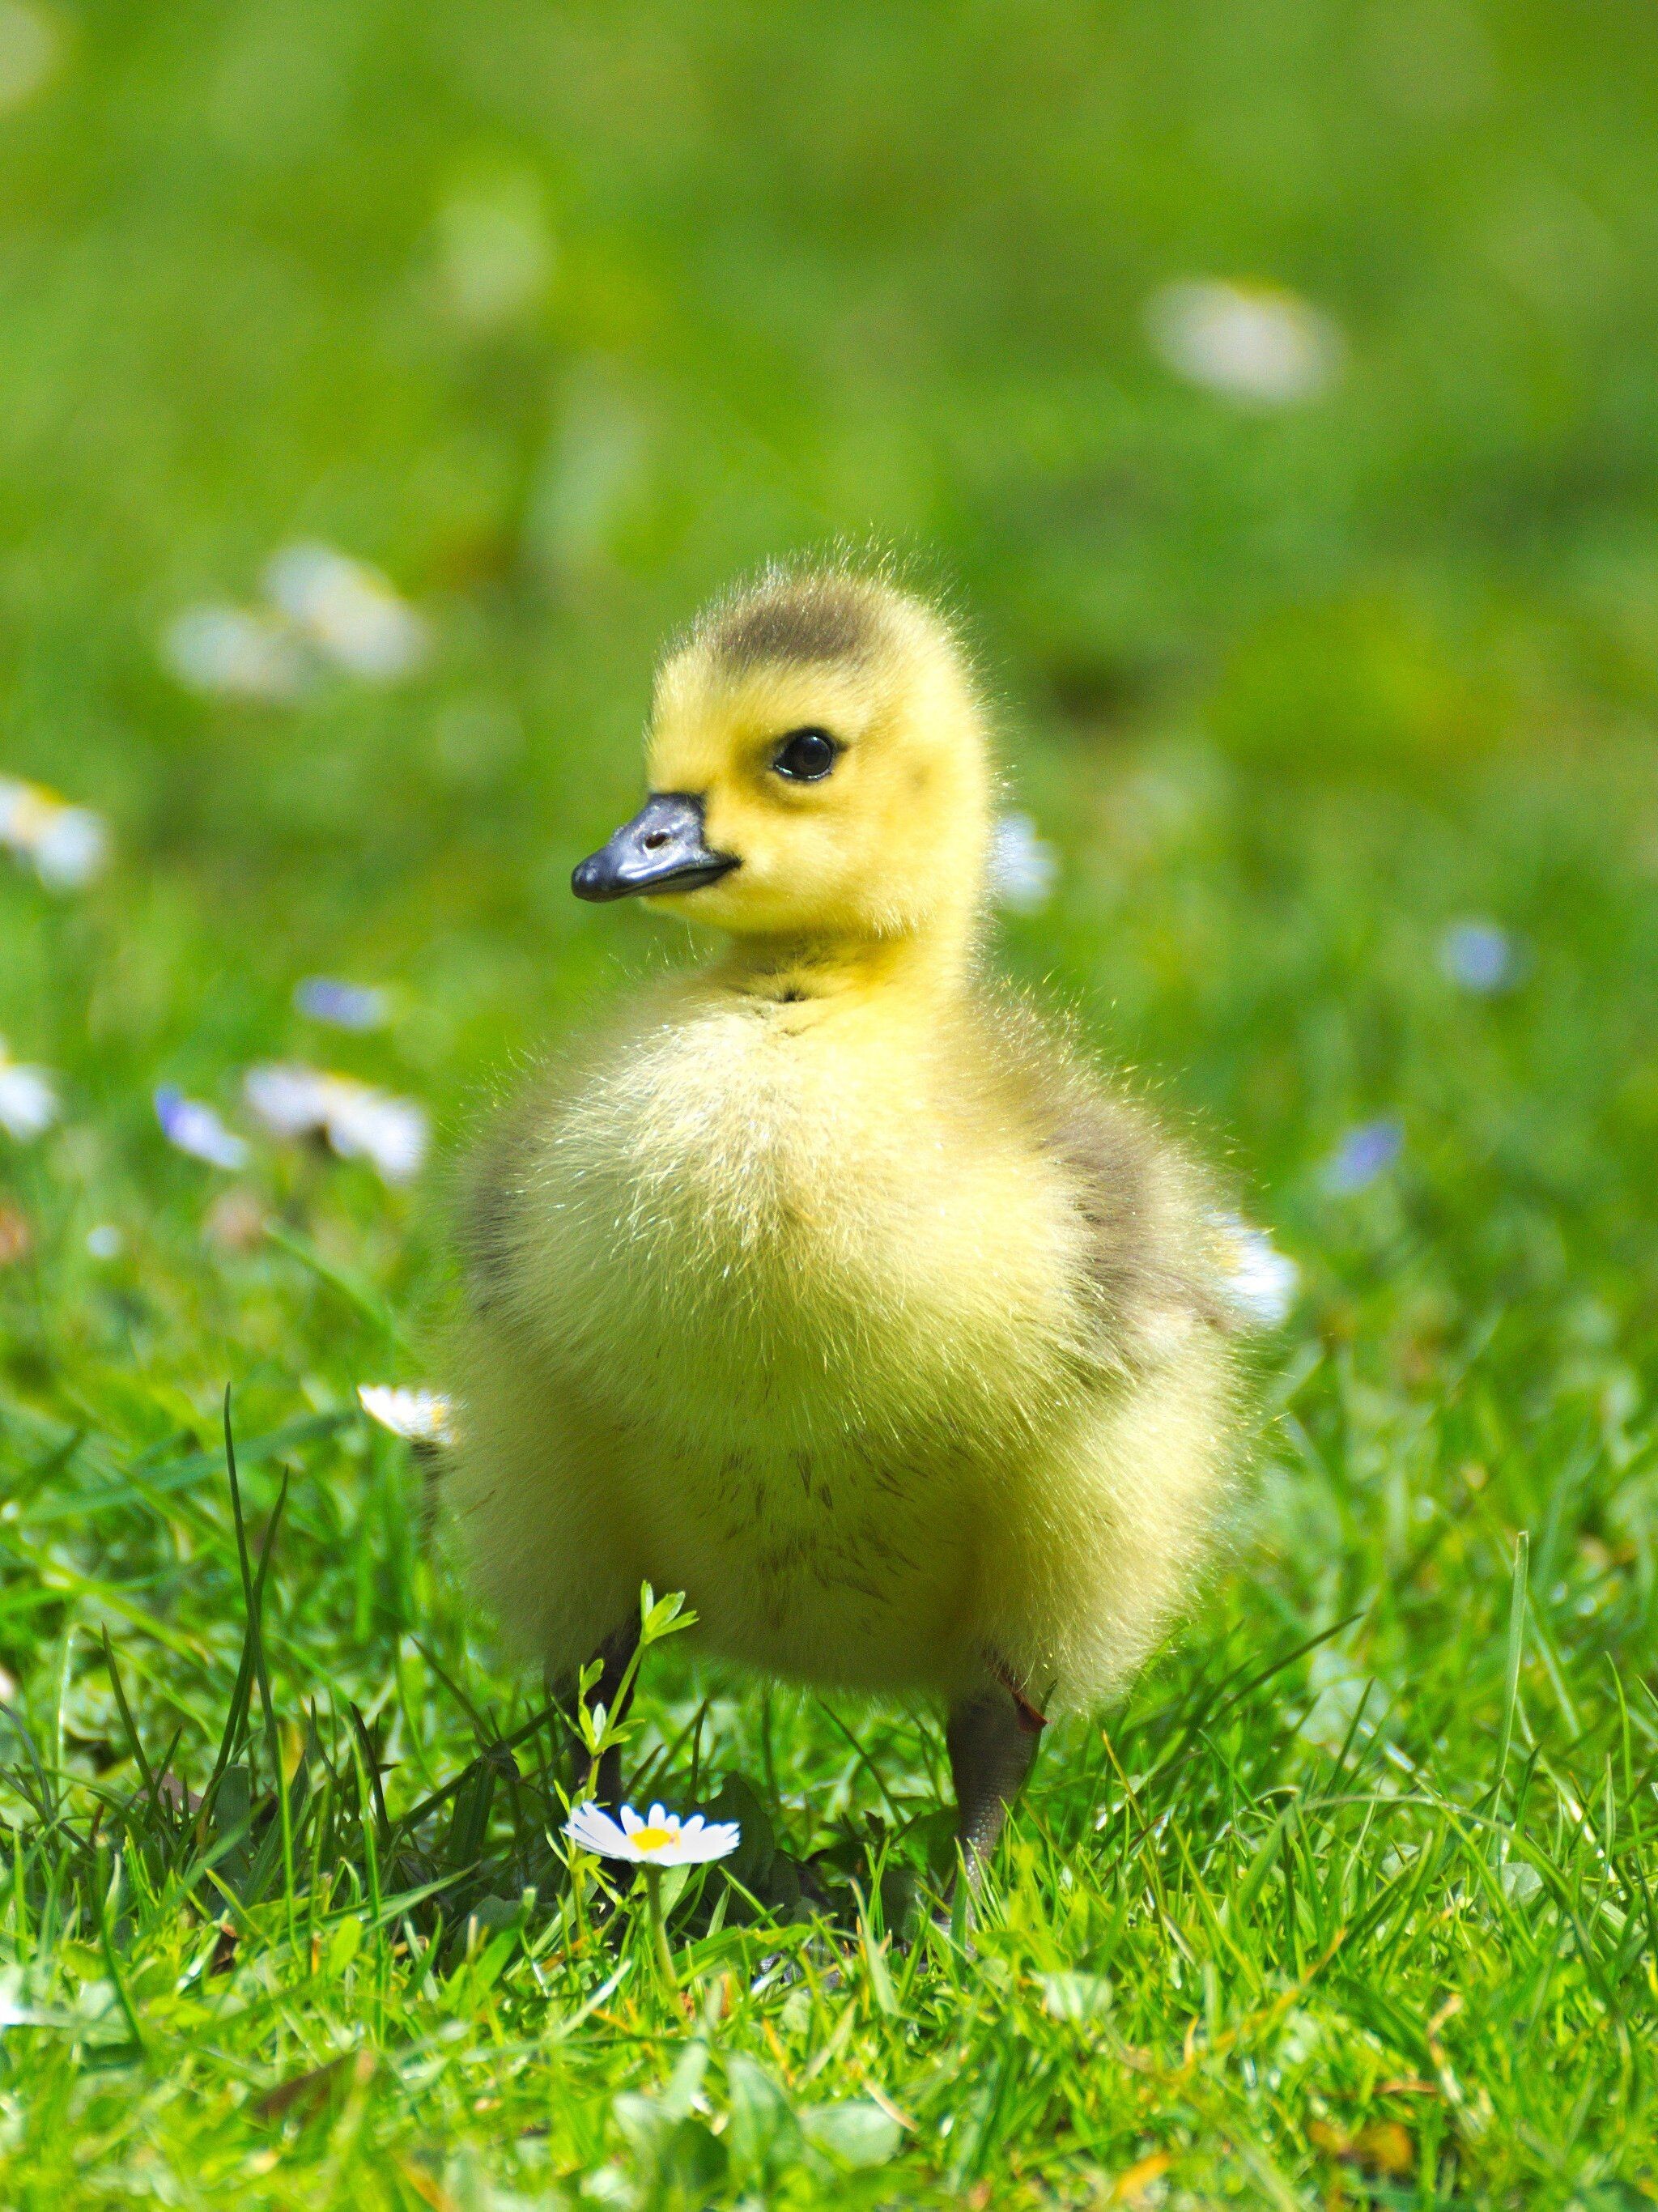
(422, 1417)
(235, 653)
(195, 1128)
(1260, 1280)
(591, 1827)
(28, 1099)
(367, 1124)
(289, 1100)
(1256, 344)
(659, 1838)
(714, 1839)
(71, 848)
(1024, 867)
(66, 845)
(357, 1122)
(349, 610)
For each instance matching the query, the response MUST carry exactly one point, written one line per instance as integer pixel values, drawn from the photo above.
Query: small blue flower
(1364, 1154)
(195, 1128)
(345, 1005)
(1479, 956)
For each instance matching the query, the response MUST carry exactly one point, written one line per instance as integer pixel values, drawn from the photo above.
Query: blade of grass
(1511, 1662)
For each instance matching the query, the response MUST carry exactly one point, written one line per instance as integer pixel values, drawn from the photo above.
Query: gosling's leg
(613, 1654)
(992, 1738)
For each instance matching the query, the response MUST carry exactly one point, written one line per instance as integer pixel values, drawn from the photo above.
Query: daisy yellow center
(650, 1838)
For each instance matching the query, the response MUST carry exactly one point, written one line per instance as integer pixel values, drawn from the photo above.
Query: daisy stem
(658, 1929)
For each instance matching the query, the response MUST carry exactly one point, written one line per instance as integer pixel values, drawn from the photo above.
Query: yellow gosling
(827, 1283)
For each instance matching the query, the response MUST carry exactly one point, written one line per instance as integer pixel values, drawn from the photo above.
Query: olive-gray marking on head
(820, 621)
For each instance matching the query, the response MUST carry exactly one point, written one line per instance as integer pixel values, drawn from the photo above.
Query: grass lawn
(561, 314)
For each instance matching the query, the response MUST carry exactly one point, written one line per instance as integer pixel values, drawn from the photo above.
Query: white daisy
(1024, 867)
(195, 1128)
(348, 611)
(421, 1417)
(66, 845)
(661, 1838)
(1260, 1281)
(1249, 343)
(238, 652)
(28, 1098)
(358, 1121)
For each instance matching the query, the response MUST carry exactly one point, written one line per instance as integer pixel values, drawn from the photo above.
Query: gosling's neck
(932, 965)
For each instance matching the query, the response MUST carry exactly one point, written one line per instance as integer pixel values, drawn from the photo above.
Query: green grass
(1355, 1900)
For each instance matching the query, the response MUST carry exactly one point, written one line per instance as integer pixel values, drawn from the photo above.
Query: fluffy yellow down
(787, 1289)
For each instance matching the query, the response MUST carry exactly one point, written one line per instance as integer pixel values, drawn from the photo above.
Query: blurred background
(1271, 387)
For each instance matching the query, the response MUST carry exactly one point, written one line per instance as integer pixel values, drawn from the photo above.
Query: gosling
(828, 1283)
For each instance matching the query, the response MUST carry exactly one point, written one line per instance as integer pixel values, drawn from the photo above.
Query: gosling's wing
(1138, 1199)
(490, 1197)
(502, 1189)
(1150, 1221)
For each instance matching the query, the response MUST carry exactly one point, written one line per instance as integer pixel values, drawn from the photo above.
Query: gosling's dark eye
(805, 755)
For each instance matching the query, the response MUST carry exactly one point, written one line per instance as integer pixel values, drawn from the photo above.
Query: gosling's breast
(762, 1229)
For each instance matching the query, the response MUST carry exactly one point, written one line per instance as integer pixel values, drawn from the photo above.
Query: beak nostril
(661, 850)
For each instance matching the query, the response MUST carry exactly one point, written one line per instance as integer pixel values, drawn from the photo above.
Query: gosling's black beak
(661, 849)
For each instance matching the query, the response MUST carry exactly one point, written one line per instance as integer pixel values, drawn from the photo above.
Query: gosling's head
(818, 768)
